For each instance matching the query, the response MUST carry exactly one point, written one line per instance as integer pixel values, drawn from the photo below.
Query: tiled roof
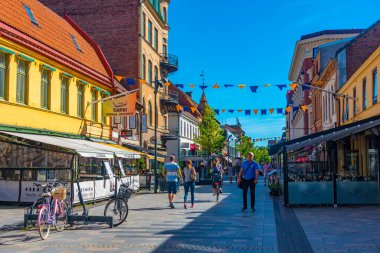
(185, 100)
(333, 32)
(52, 31)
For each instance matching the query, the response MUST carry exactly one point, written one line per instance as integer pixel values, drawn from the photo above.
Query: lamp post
(157, 84)
(228, 150)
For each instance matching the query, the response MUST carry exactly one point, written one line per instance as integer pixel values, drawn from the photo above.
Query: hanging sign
(121, 106)
(144, 123)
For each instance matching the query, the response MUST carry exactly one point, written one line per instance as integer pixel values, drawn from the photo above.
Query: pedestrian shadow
(27, 237)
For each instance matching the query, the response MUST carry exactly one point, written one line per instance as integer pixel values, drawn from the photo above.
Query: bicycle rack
(72, 219)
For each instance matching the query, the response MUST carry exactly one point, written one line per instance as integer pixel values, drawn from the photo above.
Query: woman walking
(190, 176)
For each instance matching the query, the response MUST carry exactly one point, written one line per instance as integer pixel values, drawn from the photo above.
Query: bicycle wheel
(118, 209)
(43, 222)
(61, 216)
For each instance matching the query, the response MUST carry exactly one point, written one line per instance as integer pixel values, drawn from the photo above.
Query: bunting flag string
(267, 139)
(262, 112)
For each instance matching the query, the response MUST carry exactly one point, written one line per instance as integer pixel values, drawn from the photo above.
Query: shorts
(214, 184)
(172, 187)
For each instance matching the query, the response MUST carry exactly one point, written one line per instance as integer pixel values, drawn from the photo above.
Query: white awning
(82, 147)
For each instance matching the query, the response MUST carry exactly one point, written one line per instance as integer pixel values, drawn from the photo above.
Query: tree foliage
(210, 136)
(246, 145)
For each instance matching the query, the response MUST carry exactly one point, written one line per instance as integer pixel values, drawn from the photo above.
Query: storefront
(335, 167)
(30, 158)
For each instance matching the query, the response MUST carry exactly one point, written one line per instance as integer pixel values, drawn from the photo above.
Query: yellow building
(49, 71)
(360, 151)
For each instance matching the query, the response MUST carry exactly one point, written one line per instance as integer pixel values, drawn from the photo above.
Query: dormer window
(30, 14)
(76, 43)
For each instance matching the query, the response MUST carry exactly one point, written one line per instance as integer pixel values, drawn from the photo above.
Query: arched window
(155, 73)
(150, 116)
(150, 72)
(143, 67)
(165, 14)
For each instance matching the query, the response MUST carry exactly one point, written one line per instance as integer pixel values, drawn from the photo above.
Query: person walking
(230, 172)
(172, 172)
(249, 173)
(236, 171)
(265, 172)
(189, 184)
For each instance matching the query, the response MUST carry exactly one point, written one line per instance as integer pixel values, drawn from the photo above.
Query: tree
(247, 145)
(210, 137)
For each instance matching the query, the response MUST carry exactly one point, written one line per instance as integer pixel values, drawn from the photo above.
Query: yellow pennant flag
(267, 85)
(293, 86)
(318, 83)
(192, 86)
(271, 110)
(288, 109)
(255, 111)
(303, 107)
(120, 106)
(241, 86)
(216, 86)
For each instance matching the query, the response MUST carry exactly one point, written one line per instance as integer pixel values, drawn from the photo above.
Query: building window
(45, 89)
(144, 25)
(364, 84)
(155, 73)
(150, 72)
(165, 13)
(332, 102)
(375, 86)
(80, 101)
(155, 44)
(354, 101)
(101, 110)
(150, 116)
(94, 109)
(180, 128)
(64, 95)
(343, 111)
(30, 14)
(150, 32)
(3, 78)
(164, 47)
(76, 43)
(143, 74)
(21, 82)
(347, 109)
(165, 122)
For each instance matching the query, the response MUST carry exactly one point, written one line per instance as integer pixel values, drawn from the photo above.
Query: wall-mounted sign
(121, 106)
(126, 133)
(144, 123)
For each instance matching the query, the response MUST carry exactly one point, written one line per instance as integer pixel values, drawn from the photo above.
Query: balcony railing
(169, 62)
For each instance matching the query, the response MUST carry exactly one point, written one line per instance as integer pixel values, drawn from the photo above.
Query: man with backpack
(248, 176)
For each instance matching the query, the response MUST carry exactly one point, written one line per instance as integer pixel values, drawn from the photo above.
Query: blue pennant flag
(216, 111)
(264, 112)
(203, 87)
(296, 108)
(186, 109)
(261, 139)
(280, 111)
(200, 110)
(281, 86)
(254, 88)
(231, 111)
(247, 112)
(131, 81)
(179, 85)
(228, 85)
(304, 87)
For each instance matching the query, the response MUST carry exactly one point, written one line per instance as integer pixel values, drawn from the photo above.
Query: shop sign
(121, 106)
(144, 123)
(126, 133)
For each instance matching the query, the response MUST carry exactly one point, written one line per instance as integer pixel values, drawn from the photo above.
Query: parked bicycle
(117, 207)
(53, 210)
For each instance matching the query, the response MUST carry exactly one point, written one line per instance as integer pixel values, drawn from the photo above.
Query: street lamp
(157, 84)
(228, 150)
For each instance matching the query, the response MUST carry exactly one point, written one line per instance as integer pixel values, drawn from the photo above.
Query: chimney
(189, 93)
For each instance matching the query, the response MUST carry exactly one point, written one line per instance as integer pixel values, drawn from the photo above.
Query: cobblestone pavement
(153, 227)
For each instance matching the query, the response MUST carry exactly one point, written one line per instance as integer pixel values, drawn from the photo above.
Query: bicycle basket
(125, 192)
(60, 193)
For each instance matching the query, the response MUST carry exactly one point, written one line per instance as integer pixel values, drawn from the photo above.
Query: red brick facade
(115, 28)
(361, 48)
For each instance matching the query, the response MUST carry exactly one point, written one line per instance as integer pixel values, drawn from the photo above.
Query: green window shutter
(3, 72)
(44, 89)
(80, 101)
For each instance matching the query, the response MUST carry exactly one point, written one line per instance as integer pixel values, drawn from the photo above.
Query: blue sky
(251, 42)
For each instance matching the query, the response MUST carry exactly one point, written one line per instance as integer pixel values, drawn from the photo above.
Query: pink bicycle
(53, 211)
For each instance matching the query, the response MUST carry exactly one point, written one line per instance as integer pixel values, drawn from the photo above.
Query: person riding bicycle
(216, 177)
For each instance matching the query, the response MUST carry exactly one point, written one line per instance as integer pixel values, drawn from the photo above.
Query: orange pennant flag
(240, 110)
(241, 86)
(223, 110)
(271, 110)
(288, 109)
(192, 86)
(142, 81)
(179, 108)
(293, 86)
(303, 107)
(255, 111)
(257, 139)
(193, 109)
(216, 86)
(167, 84)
